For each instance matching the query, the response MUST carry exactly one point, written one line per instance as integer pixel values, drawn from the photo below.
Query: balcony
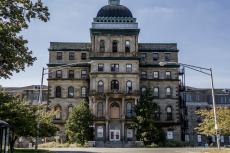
(113, 55)
(118, 92)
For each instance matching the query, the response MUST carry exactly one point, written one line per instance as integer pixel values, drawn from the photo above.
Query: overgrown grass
(30, 151)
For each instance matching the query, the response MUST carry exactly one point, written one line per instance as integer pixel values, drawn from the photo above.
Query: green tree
(15, 16)
(23, 118)
(207, 126)
(78, 125)
(144, 122)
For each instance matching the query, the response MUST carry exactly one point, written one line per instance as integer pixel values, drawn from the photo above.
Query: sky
(200, 27)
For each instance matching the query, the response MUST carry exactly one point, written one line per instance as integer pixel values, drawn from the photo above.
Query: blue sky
(200, 27)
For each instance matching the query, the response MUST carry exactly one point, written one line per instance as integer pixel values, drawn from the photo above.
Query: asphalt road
(128, 150)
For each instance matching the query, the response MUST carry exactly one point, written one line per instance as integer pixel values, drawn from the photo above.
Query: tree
(144, 122)
(23, 118)
(14, 17)
(78, 125)
(207, 126)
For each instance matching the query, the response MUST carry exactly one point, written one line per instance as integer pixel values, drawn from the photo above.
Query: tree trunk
(12, 142)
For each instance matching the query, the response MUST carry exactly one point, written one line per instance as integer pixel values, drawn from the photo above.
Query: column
(123, 108)
(123, 131)
(107, 131)
(136, 99)
(106, 108)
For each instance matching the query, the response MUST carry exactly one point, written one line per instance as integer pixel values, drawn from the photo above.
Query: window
(168, 75)
(129, 110)
(83, 74)
(58, 92)
(199, 138)
(156, 92)
(170, 135)
(156, 75)
(168, 92)
(222, 139)
(58, 111)
(71, 74)
(71, 56)
(100, 67)
(115, 46)
(143, 56)
(115, 110)
(157, 113)
(129, 68)
(100, 109)
(129, 87)
(102, 45)
(83, 56)
(143, 90)
(59, 55)
(167, 57)
(101, 87)
(70, 109)
(169, 113)
(187, 138)
(144, 75)
(127, 46)
(59, 74)
(70, 92)
(130, 133)
(114, 85)
(155, 56)
(83, 91)
(114, 67)
(100, 132)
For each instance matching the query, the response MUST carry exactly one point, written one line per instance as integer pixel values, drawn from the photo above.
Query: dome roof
(114, 11)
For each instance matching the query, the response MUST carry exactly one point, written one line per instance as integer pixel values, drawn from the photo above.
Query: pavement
(128, 150)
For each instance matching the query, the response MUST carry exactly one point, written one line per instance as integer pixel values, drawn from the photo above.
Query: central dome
(114, 11)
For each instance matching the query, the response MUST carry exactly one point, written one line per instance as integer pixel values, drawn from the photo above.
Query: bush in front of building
(78, 126)
(176, 143)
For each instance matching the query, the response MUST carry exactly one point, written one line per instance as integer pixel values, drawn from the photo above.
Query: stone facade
(111, 72)
(202, 99)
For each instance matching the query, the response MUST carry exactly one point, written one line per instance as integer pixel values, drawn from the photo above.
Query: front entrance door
(114, 135)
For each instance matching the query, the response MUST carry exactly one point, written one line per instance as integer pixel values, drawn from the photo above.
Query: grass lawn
(30, 151)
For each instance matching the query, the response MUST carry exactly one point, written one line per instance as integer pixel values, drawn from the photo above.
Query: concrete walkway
(128, 150)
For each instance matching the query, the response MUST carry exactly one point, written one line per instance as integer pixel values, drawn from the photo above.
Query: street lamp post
(208, 72)
(41, 87)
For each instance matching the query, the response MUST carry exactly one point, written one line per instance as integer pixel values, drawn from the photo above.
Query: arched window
(83, 91)
(70, 92)
(100, 109)
(115, 46)
(58, 112)
(102, 45)
(168, 92)
(129, 87)
(114, 85)
(115, 110)
(101, 87)
(156, 92)
(157, 113)
(169, 113)
(58, 92)
(129, 110)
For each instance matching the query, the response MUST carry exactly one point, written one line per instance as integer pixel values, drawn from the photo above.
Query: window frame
(59, 75)
(157, 75)
(69, 92)
(156, 94)
(84, 76)
(115, 67)
(169, 114)
(83, 94)
(102, 46)
(167, 57)
(144, 74)
(100, 88)
(58, 92)
(59, 56)
(129, 69)
(143, 58)
(83, 56)
(100, 69)
(115, 46)
(71, 75)
(129, 89)
(71, 56)
(127, 46)
(155, 58)
(115, 86)
(168, 76)
(100, 110)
